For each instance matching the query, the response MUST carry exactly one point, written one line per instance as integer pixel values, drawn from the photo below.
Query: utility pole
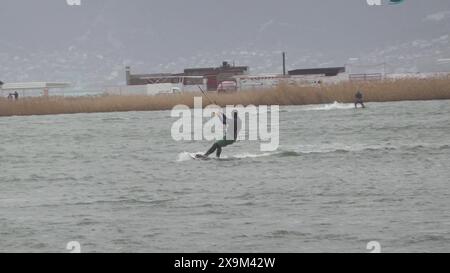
(127, 74)
(284, 63)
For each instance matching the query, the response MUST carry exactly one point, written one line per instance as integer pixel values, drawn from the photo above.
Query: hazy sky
(188, 25)
(160, 31)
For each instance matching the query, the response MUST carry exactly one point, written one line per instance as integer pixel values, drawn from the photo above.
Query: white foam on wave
(185, 156)
(320, 149)
(249, 155)
(326, 107)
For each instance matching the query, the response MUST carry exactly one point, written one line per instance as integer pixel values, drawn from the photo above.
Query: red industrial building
(191, 76)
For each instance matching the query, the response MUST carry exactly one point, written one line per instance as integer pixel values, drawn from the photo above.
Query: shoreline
(384, 91)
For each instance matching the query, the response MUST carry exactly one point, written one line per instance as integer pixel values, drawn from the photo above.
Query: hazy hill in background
(91, 44)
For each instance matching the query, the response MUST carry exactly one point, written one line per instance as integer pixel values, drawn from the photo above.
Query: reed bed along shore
(392, 90)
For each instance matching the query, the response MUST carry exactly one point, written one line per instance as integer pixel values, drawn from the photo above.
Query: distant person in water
(16, 95)
(233, 126)
(359, 100)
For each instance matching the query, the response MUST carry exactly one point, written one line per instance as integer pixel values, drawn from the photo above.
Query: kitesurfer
(359, 99)
(233, 126)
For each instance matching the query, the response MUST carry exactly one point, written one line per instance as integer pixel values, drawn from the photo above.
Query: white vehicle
(23, 87)
(173, 90)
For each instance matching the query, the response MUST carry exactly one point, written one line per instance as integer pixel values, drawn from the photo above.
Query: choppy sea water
(117, 182)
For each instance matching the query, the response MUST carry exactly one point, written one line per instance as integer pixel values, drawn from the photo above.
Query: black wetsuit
(218, 145)
(359, 100)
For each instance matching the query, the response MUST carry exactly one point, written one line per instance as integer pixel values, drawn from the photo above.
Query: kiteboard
(199, 157)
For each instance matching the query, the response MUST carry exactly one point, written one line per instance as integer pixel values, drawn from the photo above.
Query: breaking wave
(326, 107)
(185, 156)
(302, 150)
